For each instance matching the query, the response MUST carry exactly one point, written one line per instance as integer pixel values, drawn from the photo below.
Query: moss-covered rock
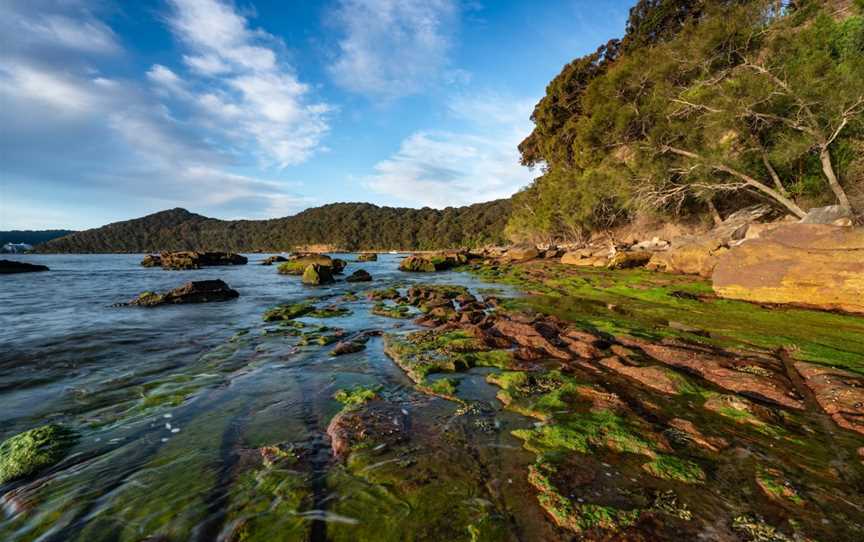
(33, 450)
(317, 274)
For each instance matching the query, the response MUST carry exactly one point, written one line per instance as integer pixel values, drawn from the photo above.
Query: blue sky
(252, 109)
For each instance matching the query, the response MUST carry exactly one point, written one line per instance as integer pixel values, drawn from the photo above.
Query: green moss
(443, 386)
(674, 468)
(773, 483)
(33, 450)
(391, 311)
(356, 396)
(287, 312)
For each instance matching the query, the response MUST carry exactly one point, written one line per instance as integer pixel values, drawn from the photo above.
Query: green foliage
(344, 226)
(33, 450)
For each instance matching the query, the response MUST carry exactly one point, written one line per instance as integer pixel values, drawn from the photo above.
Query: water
(172, 404)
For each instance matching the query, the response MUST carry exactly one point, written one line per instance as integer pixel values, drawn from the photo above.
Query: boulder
(317, 274)
(418, 264)
(361, 275)
(690, 256)
(152, 260)
(587, 257)
(185, 260)
(522, 253)
(810, 265)
(629, 260)
(827, 215)
(297, 264)
(8, 267)
(202, 291)
(367, 257)
(26, 453)
(273, 259)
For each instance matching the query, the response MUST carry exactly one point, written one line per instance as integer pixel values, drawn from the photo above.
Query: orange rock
(839, 393)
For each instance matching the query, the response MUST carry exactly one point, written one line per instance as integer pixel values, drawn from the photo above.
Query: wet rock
(273, 259)
(379, 422)
(317, 274)
(539, 337)
(629, 260)
(297, 263)
(8, 267)
(432, 262)
(31, 451)
(728, 373)
(367, 257)
(809, 265)
(692, 434)
(839, 393)
(656, 378)
(185, 260)
(417, 264)
(202, 291)
(348, 347)
(689, 256)
(361, 275)
(152, 260)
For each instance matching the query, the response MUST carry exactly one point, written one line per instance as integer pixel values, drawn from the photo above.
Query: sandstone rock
(747, 377)
(689, 256)
(202, 291)
(522, 253)
(423, 264)
(586, 257)
(382, 422)
(532, 336)
(185, 260)
(688, 428)
(809, 265)
(826, 215)
(8, 267)
(367, 257)
(839, 393)
(629, 260)
(317, 274)
(656, 378)
(151, 260)
(654, 245)
(297, 263)
(361, 275)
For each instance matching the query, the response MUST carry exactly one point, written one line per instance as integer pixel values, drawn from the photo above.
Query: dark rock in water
(28, 452)
(274, 259)
(196, 260)
(383, 422)
(417, 264)
(338, 265)
(202, 291)
(361, 275)
(317, 274)
(152, 260)
(367, 257)
(347, 347)
(9, 267)
(297, 264)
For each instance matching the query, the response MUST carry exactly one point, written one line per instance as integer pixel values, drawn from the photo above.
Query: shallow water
(169, 401)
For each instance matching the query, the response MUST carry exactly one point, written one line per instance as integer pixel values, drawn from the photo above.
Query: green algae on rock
(355, 396)
(31, 451)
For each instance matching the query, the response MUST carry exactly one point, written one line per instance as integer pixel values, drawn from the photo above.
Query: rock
(317, 274)
(809, 265)
(522, 253)
(297, 263)
(31, 451)
(8, 267)
(202, 291)
(537, 336)
(826, 215)
(747, 377)
(338, 265)
(152, 260)
(273, 259)
(692, 434)
(839, 393)
(361, 275)
(553, 254)
(629, 260)
(347, 347)
(654, 245)
(689, 256)
(195, 260)
(383, 423)
(586, 257)
(367, 257)
(417, 264)
(656, 378)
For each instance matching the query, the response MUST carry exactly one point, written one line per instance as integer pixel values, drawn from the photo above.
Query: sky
(111, 110)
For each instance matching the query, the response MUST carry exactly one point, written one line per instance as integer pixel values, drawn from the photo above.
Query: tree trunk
(828, 170)
(715, 215)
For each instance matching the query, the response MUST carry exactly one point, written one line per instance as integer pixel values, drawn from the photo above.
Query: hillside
(31, 237)
(349, 226)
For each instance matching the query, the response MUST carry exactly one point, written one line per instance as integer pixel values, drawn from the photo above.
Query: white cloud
(446, 168)
(392, 48)
(246, 92)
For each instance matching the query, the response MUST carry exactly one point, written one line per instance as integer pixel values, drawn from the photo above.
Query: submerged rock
(202, 291)
(274, 259)
(33, 450)
(376, 421)
(367, 257)
(317, 274)
(808, 265)
(361, 275)
(8, 267)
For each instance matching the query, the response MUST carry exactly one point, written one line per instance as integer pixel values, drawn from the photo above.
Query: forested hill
(348, 226)
(702, 107)
(31, 237)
